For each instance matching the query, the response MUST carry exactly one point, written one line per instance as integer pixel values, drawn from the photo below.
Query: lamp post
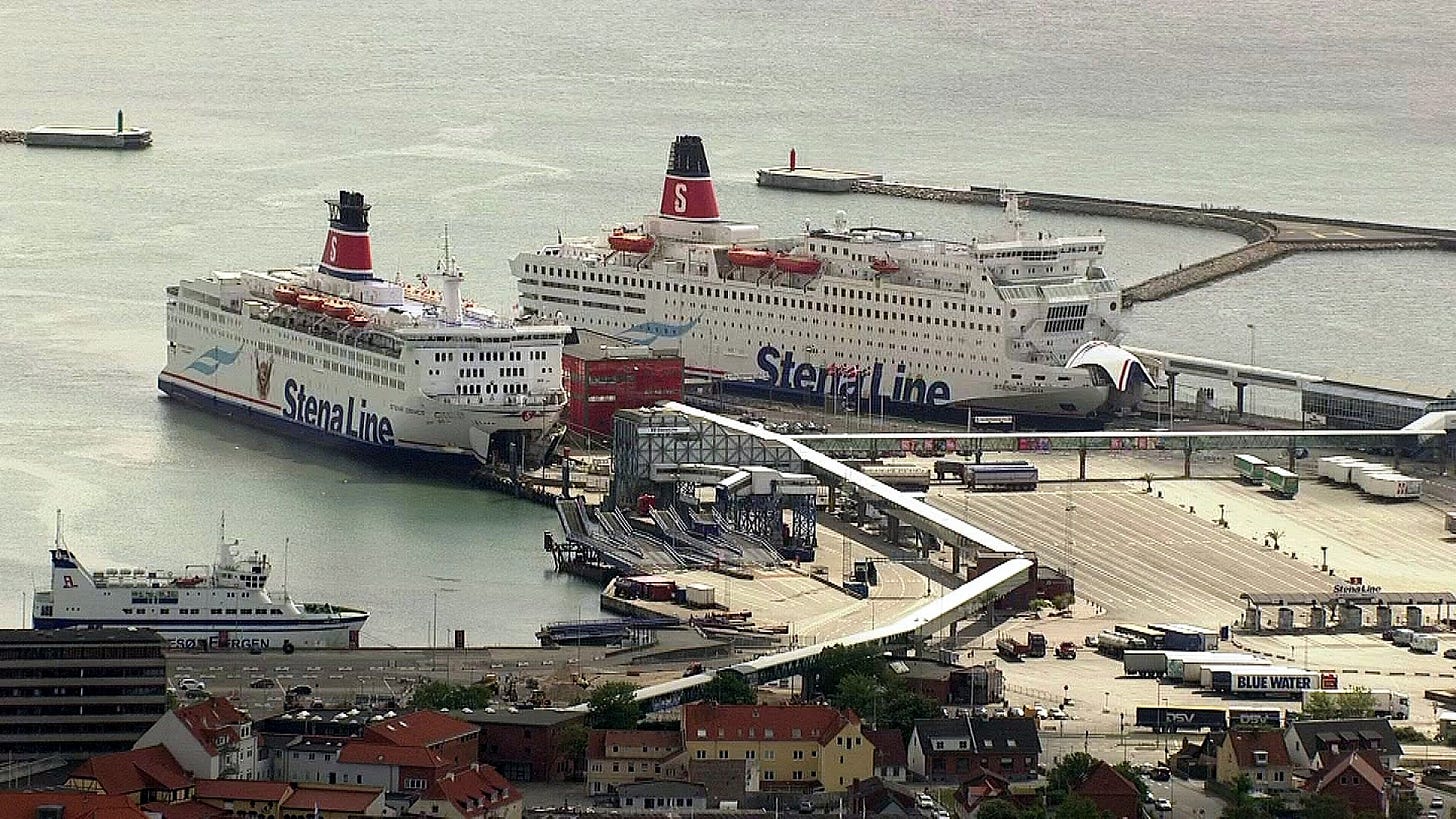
(1071, 562)
(1324, 558)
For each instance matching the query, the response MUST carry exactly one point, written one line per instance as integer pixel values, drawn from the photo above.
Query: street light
(1070, 508)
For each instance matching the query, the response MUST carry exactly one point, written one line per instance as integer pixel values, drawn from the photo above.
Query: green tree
(437, 694)
(1356, 703)
(862, 692)
(614, 705)
(1320, 705)
(999, 809)
(572, 741)
(1324, 806)
(727, 688)
(1243, 804)
(1064, 601)
(837, 662)
(1064, 777)
(1077, 807)
(1130, 774)
(1405, 806)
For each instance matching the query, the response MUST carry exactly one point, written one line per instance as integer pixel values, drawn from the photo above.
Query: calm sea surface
(509, 122)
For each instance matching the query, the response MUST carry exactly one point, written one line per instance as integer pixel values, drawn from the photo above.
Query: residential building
(978, 787)
(793, 747)
(615, 758)
(78, 693)
(666, 796)
(1356, 778)
(872, 797)
(946, 750)
(727, 780)
(211, 739)
(948, 684)
(1113, 794)
(276, 734)
(142, 776)
(332, 802)
(473, 793)
(244, 797)
(403, 754)
(17, 805)
(889, 753)
(1313, 742)
(527, 745)
(1260, 755)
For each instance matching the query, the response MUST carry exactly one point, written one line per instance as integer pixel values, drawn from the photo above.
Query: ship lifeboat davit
(750, 257)
(631, 242)
(338, 308)
(285, 294)
(885, 264)
(310, 301)
(797, 264)
(359, 320)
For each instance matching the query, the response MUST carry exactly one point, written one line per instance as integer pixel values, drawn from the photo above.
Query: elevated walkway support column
(1239, 396)
(1188, 457)
(1082, 463)
(1172, 395)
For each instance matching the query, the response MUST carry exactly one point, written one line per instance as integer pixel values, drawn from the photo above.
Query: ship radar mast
(226, 557)
(1012, 202)
(450, 279)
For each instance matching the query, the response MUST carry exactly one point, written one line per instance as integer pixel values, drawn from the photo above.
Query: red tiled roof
(378, 753)
(1364, 763)
(821, 723)
(420, 729)
(129, 772)
(250, 789)
(1247, 742)
(1104, 780)
(474, 791)
(212, 718)
(889, 746)
(333, 798)
(598, 740)
(16, 805)
(184, 810)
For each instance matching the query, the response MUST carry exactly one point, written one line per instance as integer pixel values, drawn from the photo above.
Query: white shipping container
(1335, 464)
(1193, 669)
(1425, 644)
(1390, 485)
(699, 595)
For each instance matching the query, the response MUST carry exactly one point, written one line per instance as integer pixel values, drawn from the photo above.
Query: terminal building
(605, 374)
(75, 694)
(1343, 401)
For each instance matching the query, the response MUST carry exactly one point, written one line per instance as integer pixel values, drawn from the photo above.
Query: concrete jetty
(1270, 235)
(66, 136)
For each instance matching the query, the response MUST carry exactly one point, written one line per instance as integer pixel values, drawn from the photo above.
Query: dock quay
(1270, 235)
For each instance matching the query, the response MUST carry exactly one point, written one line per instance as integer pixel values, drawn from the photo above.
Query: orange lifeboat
(359, 320)
(797, 264)
(285, 294)
(338, 308)
(885, 264)
(310, 301)
(631, 242)
(750, 257)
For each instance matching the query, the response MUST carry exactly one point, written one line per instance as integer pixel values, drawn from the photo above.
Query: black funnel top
(350, 212)
(687, 158)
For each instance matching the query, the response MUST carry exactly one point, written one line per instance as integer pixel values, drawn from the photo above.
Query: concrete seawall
(1271, 235)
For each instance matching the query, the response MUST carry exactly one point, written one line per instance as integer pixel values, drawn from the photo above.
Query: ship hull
(223, 404)
(201, 635)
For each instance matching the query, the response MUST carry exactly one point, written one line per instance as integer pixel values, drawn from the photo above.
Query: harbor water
(511, 124)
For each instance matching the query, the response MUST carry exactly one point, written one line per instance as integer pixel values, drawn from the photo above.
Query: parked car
(806, 806)
(1161, 774)
(923, 800)
(189, 684)
(1449, 654)
(301, 690)
(1437, 803)
(1057, 713)
(1041, 713)
(1162, 805)
(263, 682)
(942, 813)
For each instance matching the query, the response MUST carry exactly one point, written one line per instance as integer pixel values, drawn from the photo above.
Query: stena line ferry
(221, 606)
(879, 319)
(335, 353)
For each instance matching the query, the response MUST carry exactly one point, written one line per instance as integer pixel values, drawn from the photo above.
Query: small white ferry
(221, 606)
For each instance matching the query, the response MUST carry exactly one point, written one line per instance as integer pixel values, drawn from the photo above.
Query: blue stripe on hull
(945, 414)
(462, 463)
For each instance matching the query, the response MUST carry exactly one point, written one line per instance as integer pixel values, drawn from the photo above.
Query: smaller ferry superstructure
(334, 352)
(219, 606)
(882, 319)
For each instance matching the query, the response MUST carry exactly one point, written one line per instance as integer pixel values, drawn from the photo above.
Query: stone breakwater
(1270, 235)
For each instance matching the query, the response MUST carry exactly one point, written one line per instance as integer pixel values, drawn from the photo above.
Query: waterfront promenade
(1269, 235)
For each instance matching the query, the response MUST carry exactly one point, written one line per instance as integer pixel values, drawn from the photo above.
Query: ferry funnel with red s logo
(687, 192)
(346, 251)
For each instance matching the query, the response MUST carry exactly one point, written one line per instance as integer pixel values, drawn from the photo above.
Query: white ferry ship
(335, 353)
(222, 606)
(883, 319)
